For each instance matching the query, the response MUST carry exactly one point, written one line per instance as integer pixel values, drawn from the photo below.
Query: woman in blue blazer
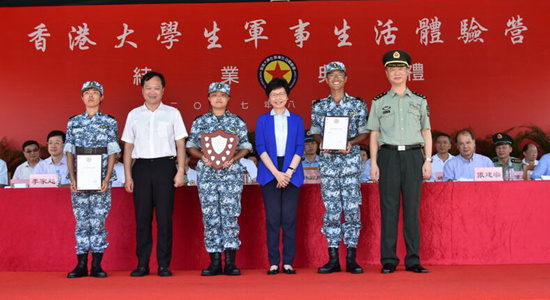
(280, 144)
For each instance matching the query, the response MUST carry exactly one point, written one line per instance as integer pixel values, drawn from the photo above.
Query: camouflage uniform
(91, 208)
(220, 190)
(340, 185)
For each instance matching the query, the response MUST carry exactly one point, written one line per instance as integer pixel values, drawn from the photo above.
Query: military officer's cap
(92, 85)
(308, 135)
(502, 138)
(335, 66)
(396, 58)
(219, 87)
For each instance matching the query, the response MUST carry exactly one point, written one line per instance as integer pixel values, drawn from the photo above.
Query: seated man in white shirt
(190, 173)
(3, 174)
(530, 153)
(251, 169)
(119, 171)
(442, 145)
(462, 167)
(57, 162)
(31, 150)
(365, 174)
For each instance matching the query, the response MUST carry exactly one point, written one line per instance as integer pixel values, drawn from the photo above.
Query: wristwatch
(292, 169)
(429, 159)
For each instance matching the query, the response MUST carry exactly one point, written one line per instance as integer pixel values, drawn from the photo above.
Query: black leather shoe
(81, 269)
(231, 268)
(417, 269)
(289, 271)
(333, 264)
(273, 271)
(140, 272)
(387, 269)
(164, 272)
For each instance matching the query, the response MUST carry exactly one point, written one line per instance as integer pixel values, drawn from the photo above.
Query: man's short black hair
(30, 142)
(56, 133)
(150, 75)
(276, 83)
(465, 131)
(445, 135)
(526, 147)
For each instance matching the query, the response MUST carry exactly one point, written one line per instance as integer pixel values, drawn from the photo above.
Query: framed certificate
(335, 133)
(88, 172)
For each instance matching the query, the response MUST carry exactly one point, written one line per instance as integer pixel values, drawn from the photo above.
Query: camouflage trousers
(221, 207)
(90, 210)
(341, 194)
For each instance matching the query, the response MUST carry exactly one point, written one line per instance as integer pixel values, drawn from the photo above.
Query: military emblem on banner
(277, 66)
(219, 147)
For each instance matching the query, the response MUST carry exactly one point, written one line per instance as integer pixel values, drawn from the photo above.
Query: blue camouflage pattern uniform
(220, 190)
(91, 208)
(340, 185)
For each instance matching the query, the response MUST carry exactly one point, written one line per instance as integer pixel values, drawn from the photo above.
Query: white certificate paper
(335, 133)
(88, 172)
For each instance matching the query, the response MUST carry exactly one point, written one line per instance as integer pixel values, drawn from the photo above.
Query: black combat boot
(215, 267)
(333, 264)
(81, 269)
(230, 267)
(97, 271)
(351, 265)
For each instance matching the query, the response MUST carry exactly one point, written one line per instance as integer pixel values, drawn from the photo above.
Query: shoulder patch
(516, 160)
(197, 117)
(495, 159)
(317, 101)
(74, 116)
(110, 116)
(419, 95)
(240, 118)
(379, 96)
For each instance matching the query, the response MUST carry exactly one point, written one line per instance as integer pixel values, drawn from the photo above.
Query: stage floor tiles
(443, 282)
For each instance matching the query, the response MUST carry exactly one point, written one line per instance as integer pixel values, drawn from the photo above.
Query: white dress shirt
(47, 166)
(438, 164)
(281, 130)
(23, 171)
(250, 168)
(154, 133)
(528, 164)
(120, 176)
(3, 172)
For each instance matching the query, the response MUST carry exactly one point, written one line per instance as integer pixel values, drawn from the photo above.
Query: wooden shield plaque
(219, 147)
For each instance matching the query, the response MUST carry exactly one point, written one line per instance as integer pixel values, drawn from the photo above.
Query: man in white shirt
(119, 171)
(251, 170)
(154, 134)
(462, 167)
(31, 150)
(57, 162)
(442, 145)
(530, 153)
(3, 174)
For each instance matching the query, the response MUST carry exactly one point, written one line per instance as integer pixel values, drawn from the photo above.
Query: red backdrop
(489, 85)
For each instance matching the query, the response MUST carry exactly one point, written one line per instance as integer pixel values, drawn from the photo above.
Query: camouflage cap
(334, 66)
(219, 87)
(92, 85)
(502, 138)
(396, 58)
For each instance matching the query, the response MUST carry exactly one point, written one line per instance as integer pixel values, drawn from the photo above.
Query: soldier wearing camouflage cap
(340, 170)
(399, 122)
(220, 190)
(503, 148)
(92, 132)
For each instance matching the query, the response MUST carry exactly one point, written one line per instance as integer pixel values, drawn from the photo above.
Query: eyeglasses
(277, 95)
(31, 151)
(55, 143)
(339, 75)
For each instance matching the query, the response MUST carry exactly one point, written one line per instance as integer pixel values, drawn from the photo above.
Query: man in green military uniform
(503, 148)
(399, 122)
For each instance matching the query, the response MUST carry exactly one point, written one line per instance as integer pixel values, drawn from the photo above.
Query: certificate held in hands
(335, 133)
(88, 172)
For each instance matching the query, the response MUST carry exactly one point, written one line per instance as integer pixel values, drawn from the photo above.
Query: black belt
(83, 150)
(402, 148)
(156, 159)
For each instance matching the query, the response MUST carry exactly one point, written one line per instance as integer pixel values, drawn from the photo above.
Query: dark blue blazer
(265, 142)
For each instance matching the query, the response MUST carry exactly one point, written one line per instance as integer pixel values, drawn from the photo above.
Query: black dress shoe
(289, 271)
(417, 269)
(164, 272)
(273, 271)
(140, 272)
(387, 269)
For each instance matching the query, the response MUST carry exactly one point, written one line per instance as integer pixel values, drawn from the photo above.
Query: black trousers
(154, 188)
(281, 206)
(400, 171)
